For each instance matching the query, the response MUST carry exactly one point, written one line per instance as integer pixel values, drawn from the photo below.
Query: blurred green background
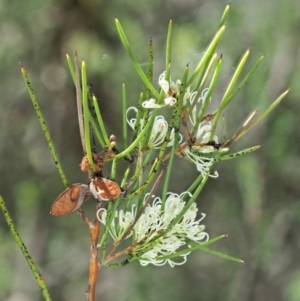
(255, 199)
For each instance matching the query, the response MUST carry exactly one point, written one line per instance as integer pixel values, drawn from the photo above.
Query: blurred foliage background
(255, 199)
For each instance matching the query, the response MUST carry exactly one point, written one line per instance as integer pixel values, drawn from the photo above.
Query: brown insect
(70, 200)
(104, 189)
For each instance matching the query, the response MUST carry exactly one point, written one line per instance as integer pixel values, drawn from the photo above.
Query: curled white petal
(172, 138)
(199, 101)
(214, 175)
(131, 121)
(162, 77)
(101, 215)
(203, 95)
(159, 131)
(194, 115)
(151, 104)
(170, 101)
(165, 86)
(174, 263)
(186, 96)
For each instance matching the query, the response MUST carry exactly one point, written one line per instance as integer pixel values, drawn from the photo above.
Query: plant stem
(79, 103)
(94, 268)
(44, 128)
(39, 278)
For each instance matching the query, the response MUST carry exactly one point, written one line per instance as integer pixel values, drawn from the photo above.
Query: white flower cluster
(203, 163)
(158, 131)
(169, 89)
(155, 221)
(160, 127)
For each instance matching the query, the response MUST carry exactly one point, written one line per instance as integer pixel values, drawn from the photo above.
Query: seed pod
(104, 189)
(70, 200)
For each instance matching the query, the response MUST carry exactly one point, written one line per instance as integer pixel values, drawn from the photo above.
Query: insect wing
(69, 200)
(104, 189)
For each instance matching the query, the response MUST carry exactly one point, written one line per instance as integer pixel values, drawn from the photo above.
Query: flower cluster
(152, 223)
(199, 152)
(158, 131)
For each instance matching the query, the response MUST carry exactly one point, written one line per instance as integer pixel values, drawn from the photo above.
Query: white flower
(169, 89)
(117, 229)
(191, 97)
(151, 103)
(187, 95)
(132, 121)
(166, 86)
(158, 131)
(154, 221)
(203, 163)
(196, 153)
(204, 130)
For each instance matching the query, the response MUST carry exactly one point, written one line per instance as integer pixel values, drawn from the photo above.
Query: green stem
(240, 153)
(86, 114)
(44, 128)
(226, 98)
(100, 122)
(169, 45)
(207, 97)
(21, 245)
(134, 60)
(79, 104)
(224, 16)
(136, 141)
(207, 55)
(71, 67)
(124, 108)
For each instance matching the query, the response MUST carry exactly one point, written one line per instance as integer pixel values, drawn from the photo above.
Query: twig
(20, 243)
(79, 104)
(94, 269)
(84, 217)
(119, 254)
(94, 228)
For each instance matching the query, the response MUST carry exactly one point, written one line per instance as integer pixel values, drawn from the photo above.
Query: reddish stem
(93, 273)
(94, 229)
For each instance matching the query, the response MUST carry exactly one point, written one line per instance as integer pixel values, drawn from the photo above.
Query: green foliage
(257, 214)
